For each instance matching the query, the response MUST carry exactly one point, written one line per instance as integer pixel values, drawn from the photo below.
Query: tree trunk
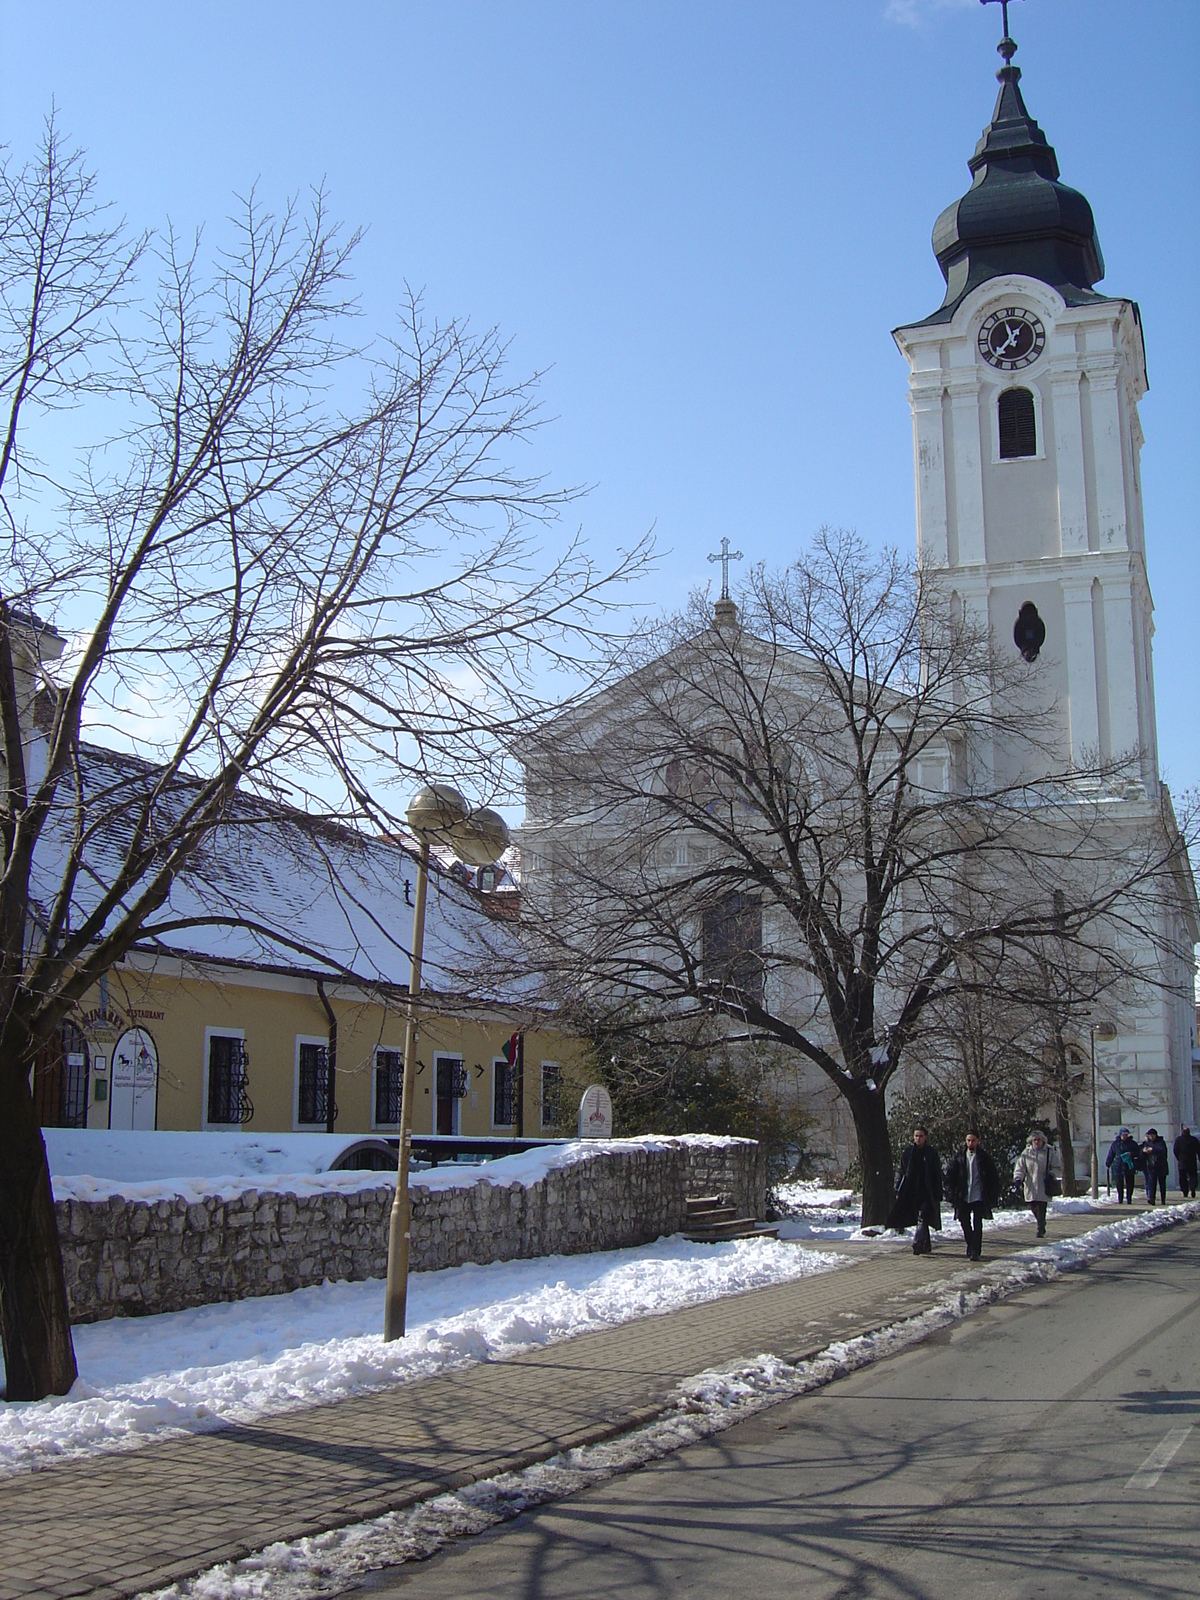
(39, 1358)
(1066, 1149)
(874, 1156)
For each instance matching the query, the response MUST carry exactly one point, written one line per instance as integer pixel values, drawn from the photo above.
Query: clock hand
(1011, 340)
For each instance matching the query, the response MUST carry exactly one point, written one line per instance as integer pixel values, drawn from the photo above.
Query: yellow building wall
(181, 1007)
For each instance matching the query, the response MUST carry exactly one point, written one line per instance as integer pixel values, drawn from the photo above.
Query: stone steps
(711, 1220)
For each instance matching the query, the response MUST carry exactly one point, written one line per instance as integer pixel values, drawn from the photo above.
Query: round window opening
(1029, 633)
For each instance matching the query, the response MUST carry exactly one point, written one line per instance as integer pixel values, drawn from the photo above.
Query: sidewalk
(114, 1525)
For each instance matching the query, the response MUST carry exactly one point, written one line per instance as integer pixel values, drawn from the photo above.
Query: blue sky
(702, 219)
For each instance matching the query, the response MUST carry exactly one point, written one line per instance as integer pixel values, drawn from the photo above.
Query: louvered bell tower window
(1018, 425)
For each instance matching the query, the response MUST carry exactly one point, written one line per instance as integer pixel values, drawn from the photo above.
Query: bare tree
(791, 819)
(292, 566)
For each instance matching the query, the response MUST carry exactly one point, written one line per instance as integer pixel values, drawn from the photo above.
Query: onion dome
(1016, 217)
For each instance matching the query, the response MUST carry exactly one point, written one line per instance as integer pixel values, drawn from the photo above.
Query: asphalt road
(1049, 1445)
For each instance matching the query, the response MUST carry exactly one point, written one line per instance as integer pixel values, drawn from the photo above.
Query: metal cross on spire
(725, 556)
(1007, 46)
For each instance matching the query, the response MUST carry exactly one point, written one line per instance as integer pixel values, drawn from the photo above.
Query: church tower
(1024, 387)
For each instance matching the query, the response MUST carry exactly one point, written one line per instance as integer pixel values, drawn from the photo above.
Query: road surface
(1049, 1445)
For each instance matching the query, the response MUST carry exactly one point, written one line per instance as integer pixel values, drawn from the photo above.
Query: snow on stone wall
(132, 1257)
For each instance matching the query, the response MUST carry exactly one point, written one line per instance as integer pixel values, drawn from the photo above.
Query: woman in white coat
(1036, 1163)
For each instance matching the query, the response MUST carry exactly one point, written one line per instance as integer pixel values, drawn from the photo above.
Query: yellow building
(284, 952)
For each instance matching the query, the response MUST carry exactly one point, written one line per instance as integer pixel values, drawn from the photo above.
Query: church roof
(1016, 217)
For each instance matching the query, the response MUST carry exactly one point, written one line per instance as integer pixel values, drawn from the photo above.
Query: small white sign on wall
(595, 1113)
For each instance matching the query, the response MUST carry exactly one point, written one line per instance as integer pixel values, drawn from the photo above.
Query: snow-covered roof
(274, 888)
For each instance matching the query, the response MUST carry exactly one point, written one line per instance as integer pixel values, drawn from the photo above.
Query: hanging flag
(512, 1048)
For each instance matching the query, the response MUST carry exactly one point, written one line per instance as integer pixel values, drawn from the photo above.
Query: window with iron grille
(312, 1098)
(389, 1081)
(60, 1080)
(733, 947)
(503, 1095)
(228, 1078)
(1018, 424)
(551, 1093)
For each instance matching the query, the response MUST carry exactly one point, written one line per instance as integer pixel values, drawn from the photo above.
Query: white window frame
(205, 1124)
(380, 1049)
(321, 1039)
(557, 1065)
(503, 1127)
(1039, 422)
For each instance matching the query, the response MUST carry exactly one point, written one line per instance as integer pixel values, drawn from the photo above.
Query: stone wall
(128, 1257)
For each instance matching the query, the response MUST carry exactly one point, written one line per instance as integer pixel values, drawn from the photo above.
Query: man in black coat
(918, 1192)
(1154, 1165)
(1187, 1156)
(972, 1188)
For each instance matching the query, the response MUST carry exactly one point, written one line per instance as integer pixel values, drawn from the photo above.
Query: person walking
(1037, 1164)
(918, 1192)
(1154, 1165)
(972, 1188)
(1122, 1164)
(1187, 1159)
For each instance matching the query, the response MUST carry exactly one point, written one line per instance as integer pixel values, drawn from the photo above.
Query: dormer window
(1018, 425)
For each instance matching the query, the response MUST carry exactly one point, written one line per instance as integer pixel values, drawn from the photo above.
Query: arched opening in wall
(60, 1080)
(1018, 424)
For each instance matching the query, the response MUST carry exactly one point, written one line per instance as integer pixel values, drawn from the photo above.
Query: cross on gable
(725, 555)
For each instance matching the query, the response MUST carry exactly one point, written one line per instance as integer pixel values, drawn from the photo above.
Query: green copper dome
(1016, 217)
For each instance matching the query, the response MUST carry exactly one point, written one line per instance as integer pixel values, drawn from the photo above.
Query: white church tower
(1024, 387)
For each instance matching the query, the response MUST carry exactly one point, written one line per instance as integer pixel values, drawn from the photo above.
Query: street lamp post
(436, 813)
(1105, 1032)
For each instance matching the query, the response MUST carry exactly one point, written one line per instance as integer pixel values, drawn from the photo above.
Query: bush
(702, 1085)
(1004, 1114)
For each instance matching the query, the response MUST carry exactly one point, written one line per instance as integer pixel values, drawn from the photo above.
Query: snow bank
(810, 1194)
(195, 1370)
(90, 1164)
(330, 1563)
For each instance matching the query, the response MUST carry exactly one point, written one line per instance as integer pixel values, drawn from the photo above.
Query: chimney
(34, 644)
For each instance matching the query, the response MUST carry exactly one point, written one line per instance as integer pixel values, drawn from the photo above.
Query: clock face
(1011, 338)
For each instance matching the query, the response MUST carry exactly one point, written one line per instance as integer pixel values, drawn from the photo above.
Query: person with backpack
(972, 1187)
(1187, 1159)
(1122, 1164)
(1038, 1169)
(918, 1192)
(1154, 1165)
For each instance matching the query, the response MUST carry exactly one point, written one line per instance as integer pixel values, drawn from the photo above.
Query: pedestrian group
(971, 1186)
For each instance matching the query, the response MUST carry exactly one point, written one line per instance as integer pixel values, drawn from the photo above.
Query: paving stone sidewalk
(117, 1524)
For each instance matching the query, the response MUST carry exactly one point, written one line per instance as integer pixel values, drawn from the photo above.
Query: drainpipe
(330, 1060)
(519, 1074)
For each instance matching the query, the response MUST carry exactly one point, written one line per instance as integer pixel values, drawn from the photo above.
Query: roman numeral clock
(1011, 339)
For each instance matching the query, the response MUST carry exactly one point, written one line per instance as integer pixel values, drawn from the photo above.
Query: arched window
(1018, 424)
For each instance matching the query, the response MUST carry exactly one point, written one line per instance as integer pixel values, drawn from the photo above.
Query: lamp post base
(395, 1303)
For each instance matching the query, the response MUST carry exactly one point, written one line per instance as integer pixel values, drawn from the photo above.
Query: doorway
(450, 1077)
(133, 1098)
(61, 1080)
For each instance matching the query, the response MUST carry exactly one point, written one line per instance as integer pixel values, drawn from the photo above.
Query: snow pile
(93, 1163)
(89, 1164)
(810, 1194)
(329, 1563)
(240, 1360)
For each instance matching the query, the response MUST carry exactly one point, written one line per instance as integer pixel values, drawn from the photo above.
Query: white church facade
(1024, 388)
